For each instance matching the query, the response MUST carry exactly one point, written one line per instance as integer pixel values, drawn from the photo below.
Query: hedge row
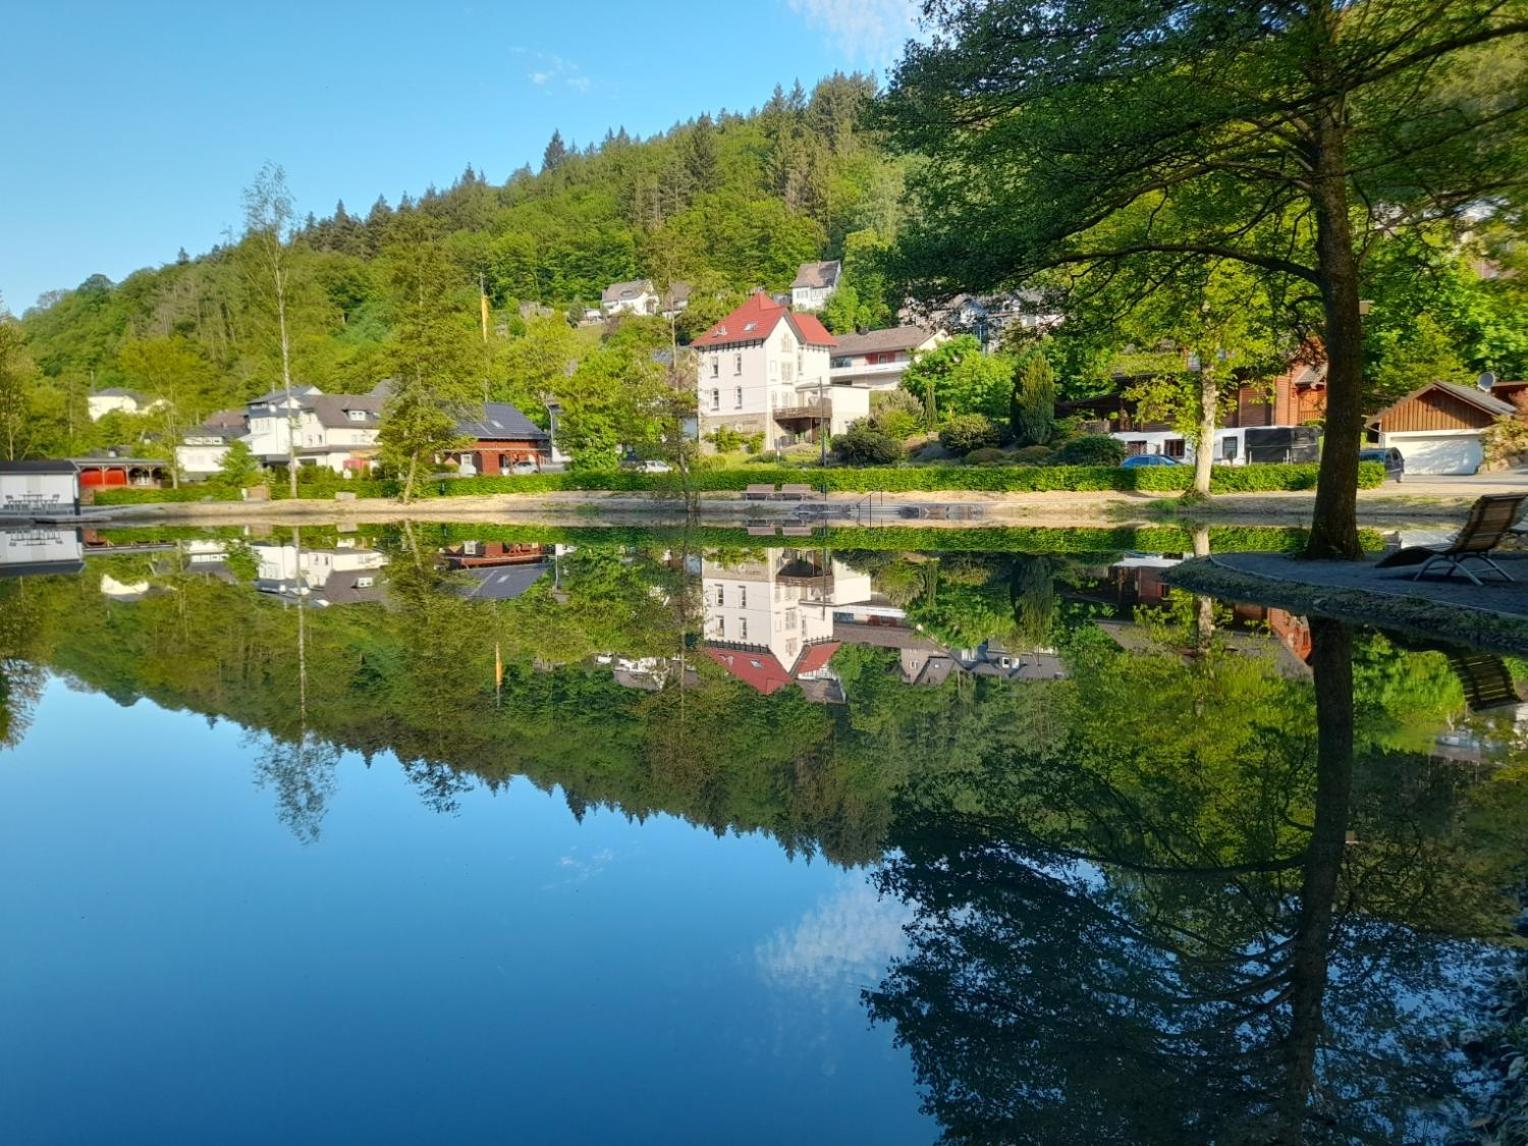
(890, 479)
(130, 496)
(928, 479)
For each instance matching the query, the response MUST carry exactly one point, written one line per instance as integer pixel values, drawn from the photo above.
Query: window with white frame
(737, 363)
(787, 372)
(716, 399)
(716, 365)
(721, 595)
(739, 397)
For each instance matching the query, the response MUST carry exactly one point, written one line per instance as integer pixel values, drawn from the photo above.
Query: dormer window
(356, 415)
(747, 326)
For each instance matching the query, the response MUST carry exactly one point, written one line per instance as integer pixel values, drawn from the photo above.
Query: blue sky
(128, 130)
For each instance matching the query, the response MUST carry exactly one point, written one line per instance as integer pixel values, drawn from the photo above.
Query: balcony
(869, 372)
(804, 412)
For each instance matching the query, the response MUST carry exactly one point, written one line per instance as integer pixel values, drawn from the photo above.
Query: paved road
(1472, 485)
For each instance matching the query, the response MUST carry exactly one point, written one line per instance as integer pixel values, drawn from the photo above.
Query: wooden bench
(795, 492)
(761, 531)
(796, 530)
(759, 493)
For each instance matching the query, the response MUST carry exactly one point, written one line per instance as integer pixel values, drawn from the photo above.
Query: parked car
(1389, 457)
(523, 467)
(651, 466)
(1136, 461)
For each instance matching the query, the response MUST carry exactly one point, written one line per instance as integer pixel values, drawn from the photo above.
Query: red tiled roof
(758, 670)
(757, 318)
(814, 657)
(812, 332)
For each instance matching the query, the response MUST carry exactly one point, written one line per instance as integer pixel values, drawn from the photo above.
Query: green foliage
(845, 479)
(1033, 410)
(1033, 456)
(958, 378)
(239, 467)
(726, 439)
(987, 456)
(895, 412)
(1092, 450)
(430, 353)
(864, 445)
(17, 373)
(966, 432)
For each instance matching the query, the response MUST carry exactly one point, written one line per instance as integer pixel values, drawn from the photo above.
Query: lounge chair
(1490, 520)
(795, 492)
(759, 493)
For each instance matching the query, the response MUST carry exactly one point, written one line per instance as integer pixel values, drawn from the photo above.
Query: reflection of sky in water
(845, 940)
(178, 967)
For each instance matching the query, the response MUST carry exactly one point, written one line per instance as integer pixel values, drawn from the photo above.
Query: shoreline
(1385, 506)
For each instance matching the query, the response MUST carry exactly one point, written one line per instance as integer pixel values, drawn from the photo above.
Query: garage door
(1445, 454)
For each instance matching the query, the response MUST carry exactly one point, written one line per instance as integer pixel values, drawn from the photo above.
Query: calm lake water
(480, 834)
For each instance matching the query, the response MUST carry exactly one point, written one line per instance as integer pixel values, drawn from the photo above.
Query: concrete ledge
(1448, 611)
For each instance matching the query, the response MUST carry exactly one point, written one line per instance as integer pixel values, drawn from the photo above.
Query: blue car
(1135, 461)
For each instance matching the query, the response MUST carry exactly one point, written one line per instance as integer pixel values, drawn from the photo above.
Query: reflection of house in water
(483, 554)
(33, 551)
(769, 620)
(290, 570)
(646, 674)
(497, 570)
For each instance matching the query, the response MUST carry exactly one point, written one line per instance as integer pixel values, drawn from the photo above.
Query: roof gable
(1450, 400)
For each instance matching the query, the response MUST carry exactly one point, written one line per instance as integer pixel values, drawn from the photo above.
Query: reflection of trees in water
(1106, 951)
(301, 771)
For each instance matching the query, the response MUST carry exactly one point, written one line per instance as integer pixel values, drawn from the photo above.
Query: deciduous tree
(1288, 136)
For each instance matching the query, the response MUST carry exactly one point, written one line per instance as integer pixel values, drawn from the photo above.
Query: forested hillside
(726, 203)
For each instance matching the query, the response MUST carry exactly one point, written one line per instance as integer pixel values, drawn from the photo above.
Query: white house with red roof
(769, 621)
(765, 369)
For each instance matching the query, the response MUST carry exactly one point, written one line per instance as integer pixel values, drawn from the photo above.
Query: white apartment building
(338, 431)
(766, 370)
(769, 622)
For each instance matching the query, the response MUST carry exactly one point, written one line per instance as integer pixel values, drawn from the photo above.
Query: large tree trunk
(1334, 528)
(1332, 667)
(1204, 452)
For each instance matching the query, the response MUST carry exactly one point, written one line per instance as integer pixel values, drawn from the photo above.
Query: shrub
(753, 443)
(988, 456)
(725, 439)
(966, 432)
(1033, 456)
(1092, 450)
(896, 412)
(863, 445)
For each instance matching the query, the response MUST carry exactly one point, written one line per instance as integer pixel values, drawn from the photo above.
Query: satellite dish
(1486, 380)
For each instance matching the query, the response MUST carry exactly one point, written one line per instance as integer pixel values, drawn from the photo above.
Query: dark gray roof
(333, 410)
(501, 582)
(301, 393)
(501, 421)
(823, 274)
(1478, 397)
(875, 341)
(345, 588)
(40, 466)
